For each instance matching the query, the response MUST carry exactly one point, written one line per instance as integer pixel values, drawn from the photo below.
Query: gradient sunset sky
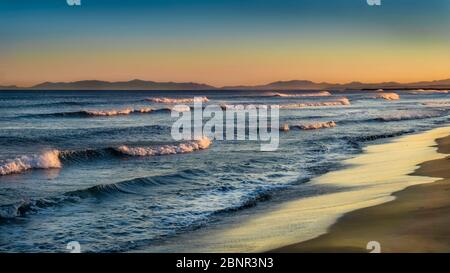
(224, 42)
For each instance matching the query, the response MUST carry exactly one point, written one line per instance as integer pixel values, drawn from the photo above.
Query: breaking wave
(166, 149)
(427, 92)
(178, 100)
(316, 94)
(388, 96)
(46, 160)
(54, 158)
(97, 113)
(112, 113)
(407, 116)
(315, 126)
(127, 111)
(339, 102)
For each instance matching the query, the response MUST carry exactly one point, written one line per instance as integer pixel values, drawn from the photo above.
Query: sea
(101, 167)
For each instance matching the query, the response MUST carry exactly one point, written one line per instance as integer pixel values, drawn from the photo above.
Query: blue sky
(218, 27)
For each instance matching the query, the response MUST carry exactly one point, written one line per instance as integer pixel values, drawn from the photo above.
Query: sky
(224, 42)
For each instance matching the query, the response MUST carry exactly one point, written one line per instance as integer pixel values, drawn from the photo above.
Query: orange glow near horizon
(224, 66)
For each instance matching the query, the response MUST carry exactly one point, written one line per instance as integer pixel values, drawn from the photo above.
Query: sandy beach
(365, 181)
(416, 221)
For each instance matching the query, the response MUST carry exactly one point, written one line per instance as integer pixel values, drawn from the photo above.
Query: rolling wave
(95, 113)
(407, 116)
(339, 102)
(310, 126)
(136, 186)
(166, 149)
(315, 126)
(289, 95)
(118, 112)
(53, 159)
(427, 92)
(110, 113)
(177, 100)
(388, 96)
(46, 160)
(242, 107)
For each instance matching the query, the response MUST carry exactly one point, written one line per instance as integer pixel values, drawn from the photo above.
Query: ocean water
(101, 169)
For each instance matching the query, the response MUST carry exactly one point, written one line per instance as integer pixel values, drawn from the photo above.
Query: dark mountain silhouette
(309, 85)
(129, 85)
(276, 86)
(8, 87)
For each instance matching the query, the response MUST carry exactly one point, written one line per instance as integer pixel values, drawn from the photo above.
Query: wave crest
(407, 116)
(178, 100)
(52, 159)
(315, 126)
(429, 91)
(388, 96)
(339, 102)
(316, 94)
(181, 148)
(46, 160)
(108, 113)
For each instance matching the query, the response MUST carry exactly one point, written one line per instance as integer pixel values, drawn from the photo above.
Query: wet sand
(418, 220)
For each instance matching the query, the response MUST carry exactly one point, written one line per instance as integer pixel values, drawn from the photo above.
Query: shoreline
(416, 220)
(365, 181)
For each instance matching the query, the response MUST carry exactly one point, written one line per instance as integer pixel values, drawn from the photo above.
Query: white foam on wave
(388, 96)
(285, 127)
(120, 112)
(316, 94)
(143, 110)
(46, 160)
(339, 102)
(427, 91)
(407, 116)
(311, 126)
(241, 107)
(109, 112)
(178, 100)
(181, 148)
(316, 126)
(181, 108)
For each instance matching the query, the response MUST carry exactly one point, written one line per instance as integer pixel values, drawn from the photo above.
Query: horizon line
(224, 86)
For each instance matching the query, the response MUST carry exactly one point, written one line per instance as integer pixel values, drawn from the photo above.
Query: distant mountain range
(309, 85)
(8, 87)
(129, 85)
(279, 85)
